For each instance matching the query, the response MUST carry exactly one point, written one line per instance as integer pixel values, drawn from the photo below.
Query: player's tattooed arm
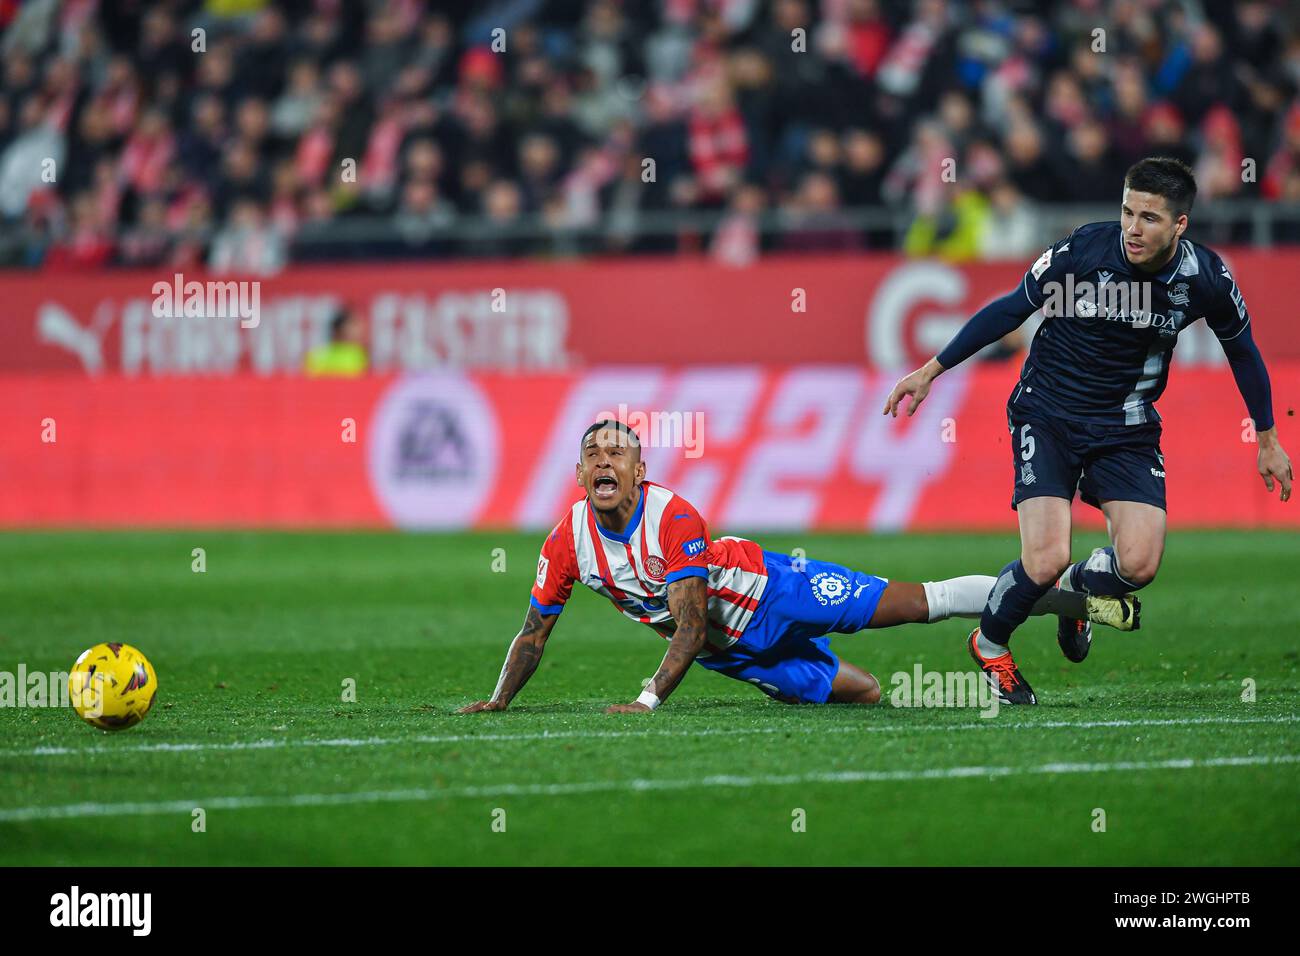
(521, 660)
(688, 602)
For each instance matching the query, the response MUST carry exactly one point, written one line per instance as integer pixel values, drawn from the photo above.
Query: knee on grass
(865, 689)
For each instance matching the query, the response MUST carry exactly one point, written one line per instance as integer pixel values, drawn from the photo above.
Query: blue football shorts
(785, 650)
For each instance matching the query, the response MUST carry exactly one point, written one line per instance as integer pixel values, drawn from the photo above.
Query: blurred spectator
(1010, 228)
(344, 355)
(399, 115)
(954, 231)
(1218, 169)
(738, 240)
(23, 161)
(89, 244)
(815, 222)
(247, 244)
(1090, 166)
(423, 214)
(719, 145)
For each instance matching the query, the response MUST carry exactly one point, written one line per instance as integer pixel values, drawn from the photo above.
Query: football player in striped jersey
(726, 603)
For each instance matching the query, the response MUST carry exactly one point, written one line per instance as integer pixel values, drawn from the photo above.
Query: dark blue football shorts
(1054, 457)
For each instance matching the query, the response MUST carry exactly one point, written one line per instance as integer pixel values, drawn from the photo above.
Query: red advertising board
(875, 311)
(753, 446)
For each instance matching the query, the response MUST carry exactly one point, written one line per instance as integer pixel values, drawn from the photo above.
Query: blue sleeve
(545, 609)
(987, 326)
(1252, 377)
(687, 572)
(1229, 319)
(1009, 312)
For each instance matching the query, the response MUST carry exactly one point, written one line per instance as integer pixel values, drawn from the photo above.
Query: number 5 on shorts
(1026, 443)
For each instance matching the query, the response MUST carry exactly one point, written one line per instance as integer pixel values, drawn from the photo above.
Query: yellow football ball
(112, 686)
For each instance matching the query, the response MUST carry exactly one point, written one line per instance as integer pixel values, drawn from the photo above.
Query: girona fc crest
(830, 588)
(655, 567)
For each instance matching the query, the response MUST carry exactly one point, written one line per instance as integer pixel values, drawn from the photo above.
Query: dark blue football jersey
(1102, 352)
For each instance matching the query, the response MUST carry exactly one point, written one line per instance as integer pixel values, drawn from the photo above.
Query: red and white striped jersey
(665, 541)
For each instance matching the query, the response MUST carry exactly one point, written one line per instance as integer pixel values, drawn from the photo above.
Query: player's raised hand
(481, 705)
(1273, 464)
(917, 385)
(636, 707)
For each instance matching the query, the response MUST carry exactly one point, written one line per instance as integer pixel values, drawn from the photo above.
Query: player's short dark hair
(1164, 176)
(633, 439)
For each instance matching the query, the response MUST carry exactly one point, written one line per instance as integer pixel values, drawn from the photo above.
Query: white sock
(967, 595)
(958, 597)
(988, 650)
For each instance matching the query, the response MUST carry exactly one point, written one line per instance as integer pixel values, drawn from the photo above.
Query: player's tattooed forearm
(533, 623)
(520, 664)
(688, 602)
(524, 659)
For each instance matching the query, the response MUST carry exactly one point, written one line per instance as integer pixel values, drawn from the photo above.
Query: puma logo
(56, 326)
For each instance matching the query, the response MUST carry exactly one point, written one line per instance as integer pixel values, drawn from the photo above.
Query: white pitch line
(347, 742)
(418, 795)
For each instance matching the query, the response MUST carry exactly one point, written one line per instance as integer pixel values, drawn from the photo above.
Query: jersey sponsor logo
(1129, 302)
(692, 548)
(655, 567)
(1177, 319)
(543, 563)
(830, 588)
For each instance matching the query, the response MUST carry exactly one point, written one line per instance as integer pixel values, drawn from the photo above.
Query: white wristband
(649, 699)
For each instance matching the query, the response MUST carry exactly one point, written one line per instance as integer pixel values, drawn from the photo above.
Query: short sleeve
(556, 571)
(684, 540)
(1227, 316)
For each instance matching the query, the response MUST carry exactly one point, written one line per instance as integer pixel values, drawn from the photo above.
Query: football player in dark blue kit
(1114, 296)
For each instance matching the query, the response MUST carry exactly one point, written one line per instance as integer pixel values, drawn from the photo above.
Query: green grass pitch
(250, 724)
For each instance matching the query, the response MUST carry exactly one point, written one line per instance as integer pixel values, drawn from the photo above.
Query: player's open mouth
(605, 486)
(1132, 246)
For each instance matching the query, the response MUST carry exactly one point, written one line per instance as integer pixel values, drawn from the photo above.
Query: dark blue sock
(1100, 575)
(1012, 598)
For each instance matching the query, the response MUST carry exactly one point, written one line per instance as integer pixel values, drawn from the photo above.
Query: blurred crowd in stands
(245, 134)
